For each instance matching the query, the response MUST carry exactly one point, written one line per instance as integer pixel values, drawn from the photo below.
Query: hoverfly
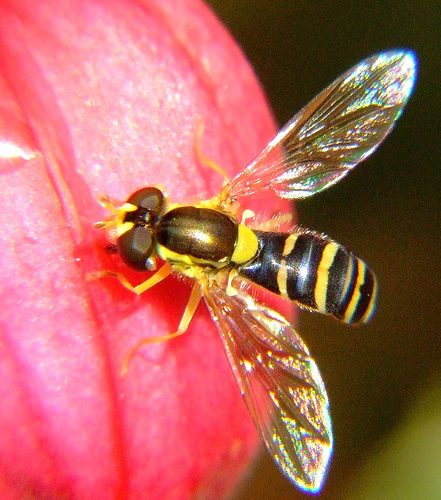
(279, 380)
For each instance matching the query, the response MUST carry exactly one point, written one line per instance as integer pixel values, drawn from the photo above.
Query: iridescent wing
(339, 128)
(279, 381)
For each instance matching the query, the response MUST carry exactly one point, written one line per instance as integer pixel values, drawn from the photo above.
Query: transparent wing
(280, 383)
(339, 128)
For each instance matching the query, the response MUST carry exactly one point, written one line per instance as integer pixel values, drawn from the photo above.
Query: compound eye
(150, 198)
(135, 247)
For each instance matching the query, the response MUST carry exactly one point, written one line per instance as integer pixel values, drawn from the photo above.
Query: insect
(205, 241)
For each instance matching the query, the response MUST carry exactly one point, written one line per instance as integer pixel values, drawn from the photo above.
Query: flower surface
(104, 97)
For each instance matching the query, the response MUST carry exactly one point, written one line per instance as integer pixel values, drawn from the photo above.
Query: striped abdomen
(316, 272)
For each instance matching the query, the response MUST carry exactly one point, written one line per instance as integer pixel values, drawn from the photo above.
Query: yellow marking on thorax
(186, 260)
(321, 285)
(247, 245)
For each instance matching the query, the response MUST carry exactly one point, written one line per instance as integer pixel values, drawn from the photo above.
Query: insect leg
(162, 273)
(208, 162)
(190, 309)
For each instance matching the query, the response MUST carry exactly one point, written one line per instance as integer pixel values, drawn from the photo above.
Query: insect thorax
(193, 235)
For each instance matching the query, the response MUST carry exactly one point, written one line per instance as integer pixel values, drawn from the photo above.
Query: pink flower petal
(104, 97)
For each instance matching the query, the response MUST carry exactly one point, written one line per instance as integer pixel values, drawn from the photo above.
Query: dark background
(383, 379)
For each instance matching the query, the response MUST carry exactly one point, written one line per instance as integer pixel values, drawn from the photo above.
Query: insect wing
(280, 383)
(339, 128)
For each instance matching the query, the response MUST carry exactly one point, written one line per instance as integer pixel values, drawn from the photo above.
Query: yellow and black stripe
(316, 272)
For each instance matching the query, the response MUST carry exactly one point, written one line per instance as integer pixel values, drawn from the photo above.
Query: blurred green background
(384, 380)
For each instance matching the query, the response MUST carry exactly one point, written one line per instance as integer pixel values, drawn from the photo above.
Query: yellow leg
(162, 273)
(201, 157)
(190, 309)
